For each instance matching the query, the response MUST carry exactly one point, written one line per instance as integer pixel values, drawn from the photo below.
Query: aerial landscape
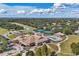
(39, 29)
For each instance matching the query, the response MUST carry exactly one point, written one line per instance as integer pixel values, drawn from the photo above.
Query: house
(32, 40)
(57, 37)
(59, 34)
(77, 32)
(17, 33)
(1, 43)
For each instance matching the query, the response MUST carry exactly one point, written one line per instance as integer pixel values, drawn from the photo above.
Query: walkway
(58, 44)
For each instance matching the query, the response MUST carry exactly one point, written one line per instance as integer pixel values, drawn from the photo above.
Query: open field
(11, 36)
(3, 31)
(65, 46)
(26, 27)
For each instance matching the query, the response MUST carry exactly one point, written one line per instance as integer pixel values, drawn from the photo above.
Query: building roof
(59, 33)
(32, 38)
(77, 31)
(55, 38)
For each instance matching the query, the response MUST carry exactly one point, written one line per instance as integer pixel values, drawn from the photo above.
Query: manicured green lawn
(66, 46)
(11, 36)
(3, 31)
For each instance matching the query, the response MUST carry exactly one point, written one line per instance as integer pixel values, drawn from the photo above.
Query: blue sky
(39, 10)
(38, 5)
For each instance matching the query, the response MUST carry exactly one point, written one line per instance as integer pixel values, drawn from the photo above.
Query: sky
(39, 10)
(38, 5)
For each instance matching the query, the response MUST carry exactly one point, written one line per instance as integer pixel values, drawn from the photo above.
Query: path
(58, 44)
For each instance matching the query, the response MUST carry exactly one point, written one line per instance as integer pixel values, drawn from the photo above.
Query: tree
(45, 50)
(42, 51)
(75, 48)
(38, 51)
(30, 53)
(1, 50)
(67, 30)
(19, 54)
(53, 53)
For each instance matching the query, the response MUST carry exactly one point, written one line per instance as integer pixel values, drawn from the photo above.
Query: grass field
(11, 36)
(26, 27)
(3, 31)
(66, 46)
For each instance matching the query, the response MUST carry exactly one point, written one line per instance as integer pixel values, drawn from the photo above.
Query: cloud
(56, 6)
(20, 12)
(41, 11)
(63, 10)
(15, 9)
(60, 6)
(2, 10)
(58, 10)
